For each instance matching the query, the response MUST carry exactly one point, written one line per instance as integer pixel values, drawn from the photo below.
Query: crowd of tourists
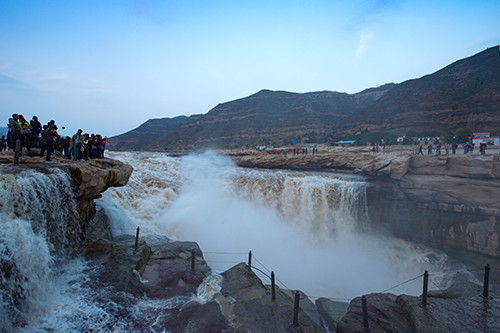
(468, 147)
(33, 134)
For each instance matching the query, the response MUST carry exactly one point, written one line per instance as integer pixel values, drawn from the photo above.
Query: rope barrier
(331, 298)
(322, 312)
(223, 262)
(261, 264)
(416, 277)
(436, 285)
(261, 271)
(229, 253)
(266, 271)
(282, 284)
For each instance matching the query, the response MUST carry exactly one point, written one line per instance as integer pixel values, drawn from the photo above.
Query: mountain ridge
(464, 94)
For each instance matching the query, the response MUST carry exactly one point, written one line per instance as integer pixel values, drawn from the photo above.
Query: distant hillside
(266, 116)
(465, 94)
(149, 135)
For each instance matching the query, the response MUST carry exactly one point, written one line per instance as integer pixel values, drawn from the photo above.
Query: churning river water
(311, 228)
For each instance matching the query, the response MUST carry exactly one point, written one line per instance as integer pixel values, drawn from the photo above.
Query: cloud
(365, 40)
(53, 76)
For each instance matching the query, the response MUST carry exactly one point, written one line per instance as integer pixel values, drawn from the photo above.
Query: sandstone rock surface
(90, 178)
(442, 200)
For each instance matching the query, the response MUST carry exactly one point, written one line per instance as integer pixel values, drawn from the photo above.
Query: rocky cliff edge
(90, 178)
(446, 200)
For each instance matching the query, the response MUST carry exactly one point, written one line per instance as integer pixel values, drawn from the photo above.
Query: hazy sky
(108, 66)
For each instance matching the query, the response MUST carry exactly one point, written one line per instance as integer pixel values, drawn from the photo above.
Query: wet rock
(331, 312)
(458, 309)
(168, 271)
(99, 227)
(385, 314)
(197, 317)
(247, 305)
(114, 264)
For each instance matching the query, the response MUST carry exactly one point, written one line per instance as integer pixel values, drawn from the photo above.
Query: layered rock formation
(448, 201)
(90, 178)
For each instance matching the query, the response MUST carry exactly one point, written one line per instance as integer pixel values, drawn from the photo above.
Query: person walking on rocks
(420, 152)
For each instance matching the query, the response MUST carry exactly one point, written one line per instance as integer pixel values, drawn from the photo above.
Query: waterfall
(302, 225)
(39, 228)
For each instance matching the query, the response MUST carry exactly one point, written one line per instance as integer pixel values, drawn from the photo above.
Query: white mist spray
(300, 225)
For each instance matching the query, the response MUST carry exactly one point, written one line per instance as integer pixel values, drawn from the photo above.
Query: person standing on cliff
(26, 138)
(76, 144)
(46, 142)
(14, 129)
(36, 128)
(3, 143)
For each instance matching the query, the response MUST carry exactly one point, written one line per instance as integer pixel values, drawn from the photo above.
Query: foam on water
(43, 286)
(209, 287)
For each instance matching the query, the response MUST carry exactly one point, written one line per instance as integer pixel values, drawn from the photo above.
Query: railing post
(296, 309)
(424, 292)
(249, 261)
(366, 327)
(192, 261)
(136, 239)
(486, 280)
(273, 287)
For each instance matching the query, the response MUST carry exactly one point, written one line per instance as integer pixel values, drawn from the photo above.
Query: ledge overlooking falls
(90, 178)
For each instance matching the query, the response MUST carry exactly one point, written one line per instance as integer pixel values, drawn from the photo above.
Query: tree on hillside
(463, 135)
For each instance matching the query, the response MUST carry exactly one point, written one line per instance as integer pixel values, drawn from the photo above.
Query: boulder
(247, 305)
(168, 272)
(456, 309)
(115, 264)
(331, 312)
